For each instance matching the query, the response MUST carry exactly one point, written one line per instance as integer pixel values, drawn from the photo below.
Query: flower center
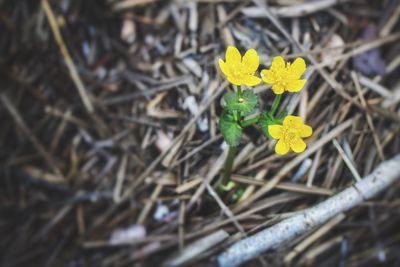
(290, 136)
(236, 71)
(281, 76)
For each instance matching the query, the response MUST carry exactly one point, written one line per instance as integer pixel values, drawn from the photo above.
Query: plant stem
(239, 91)
(250, 122)
(232, 149)
(228, 165)
(275, 104)
(239, 94)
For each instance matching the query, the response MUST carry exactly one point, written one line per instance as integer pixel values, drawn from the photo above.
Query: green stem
(232, 149)
(239, 94)
(275, 104)
(239, 91)
(250, 122)
(228, 165)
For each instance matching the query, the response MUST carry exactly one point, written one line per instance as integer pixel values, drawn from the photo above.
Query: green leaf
(230, 129)
(245, 104)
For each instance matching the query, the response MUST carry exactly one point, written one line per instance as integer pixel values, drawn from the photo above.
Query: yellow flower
(284, 76)
(290, 135)
(240, 70)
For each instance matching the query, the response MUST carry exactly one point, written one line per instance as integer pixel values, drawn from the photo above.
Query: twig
(198, 247)
(67, 57)
(374, 86)
(369, 118)
(228, 213)
(381, 178)
(314, 237)
(291, 187)
(358, 50)
(213, 171)
(391, 22)
(316, 251)
(22, 125)
(149, 205)
(298, 10)
(120, 178)
(181, 225)
(346, 160)
(196, 150)
(223, 207)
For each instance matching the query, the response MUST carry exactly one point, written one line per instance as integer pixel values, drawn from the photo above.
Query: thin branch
(67, 57)
(28, 133)
(381, 178)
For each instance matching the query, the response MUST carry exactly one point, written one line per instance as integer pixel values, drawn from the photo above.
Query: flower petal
(232, 56)
(250, 61)
(292, 121)
(275, 131)
(268, 76)
(298, 145)
(278, 64)
(250, 80)
(281, 147)
(224, 67)
(295, 86)
(232, 79)
(278, 89)
(305, 131)
(296, 69)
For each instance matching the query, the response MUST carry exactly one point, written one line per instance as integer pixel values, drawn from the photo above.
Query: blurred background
(109, 130)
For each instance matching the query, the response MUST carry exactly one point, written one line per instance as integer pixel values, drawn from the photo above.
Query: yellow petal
(278, 64)
(250, 80)
(281, 147)
(305, 131)
(278, 88)
(268, 76)
(232, 79)
(250, 61)
(232, 56)
(295, 86)
(296, 69)
(298, 145)
(224, 67)
(292, 121)
(275, 131)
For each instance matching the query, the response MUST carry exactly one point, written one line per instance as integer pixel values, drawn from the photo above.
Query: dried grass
(96, 136)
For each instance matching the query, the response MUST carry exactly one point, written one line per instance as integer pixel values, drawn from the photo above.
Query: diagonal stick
(381, 178)
(25, 129)
(67, 58)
